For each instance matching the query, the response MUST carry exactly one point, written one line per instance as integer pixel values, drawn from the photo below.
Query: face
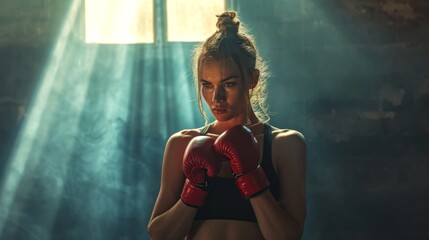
(222, 87)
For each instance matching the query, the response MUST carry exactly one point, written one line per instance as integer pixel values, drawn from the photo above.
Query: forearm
(273, 220)
(175, 223)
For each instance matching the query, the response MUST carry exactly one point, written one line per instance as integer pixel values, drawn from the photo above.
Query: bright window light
(192, 20)
(119, 21)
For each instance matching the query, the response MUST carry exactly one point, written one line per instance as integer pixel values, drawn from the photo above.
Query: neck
(220, 127)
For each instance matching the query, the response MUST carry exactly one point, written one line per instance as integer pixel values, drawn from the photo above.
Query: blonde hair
(233, 42)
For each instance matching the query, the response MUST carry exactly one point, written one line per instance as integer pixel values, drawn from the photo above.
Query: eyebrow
(223, 80)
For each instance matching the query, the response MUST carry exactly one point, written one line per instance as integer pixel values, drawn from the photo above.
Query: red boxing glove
(239, 145)
(199, 161)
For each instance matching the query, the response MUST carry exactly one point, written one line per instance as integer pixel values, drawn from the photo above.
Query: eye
(230, 84)
(206, 85)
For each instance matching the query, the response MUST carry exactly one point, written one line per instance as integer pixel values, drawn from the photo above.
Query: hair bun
(227, 22)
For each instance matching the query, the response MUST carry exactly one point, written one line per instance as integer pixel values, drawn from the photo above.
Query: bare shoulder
(182, 138)
(172, 177)
(175, 149)
(288, 137)
(289, 156)
(289, 147)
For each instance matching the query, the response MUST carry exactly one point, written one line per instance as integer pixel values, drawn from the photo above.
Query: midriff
(215, 229)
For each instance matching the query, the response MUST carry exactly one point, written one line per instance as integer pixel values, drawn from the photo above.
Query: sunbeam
(114, 21)
(28, 145)
(86, 161)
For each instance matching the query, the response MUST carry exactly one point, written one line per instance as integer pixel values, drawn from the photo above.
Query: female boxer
(237, 177)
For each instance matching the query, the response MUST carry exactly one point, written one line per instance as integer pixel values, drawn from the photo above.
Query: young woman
(237, 177)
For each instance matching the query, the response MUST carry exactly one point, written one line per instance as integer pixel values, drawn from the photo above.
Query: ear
(254, 78)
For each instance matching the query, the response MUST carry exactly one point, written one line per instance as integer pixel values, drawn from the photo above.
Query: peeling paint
(377, 115)
(394, 96)
(424, 87)
(398, 10)
(391, 8)
(358, 7)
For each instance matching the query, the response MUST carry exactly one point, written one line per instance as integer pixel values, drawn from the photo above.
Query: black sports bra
(224, 200)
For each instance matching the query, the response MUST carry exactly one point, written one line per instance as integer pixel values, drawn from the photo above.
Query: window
(192, 20)
(133, 21)
(119, 21)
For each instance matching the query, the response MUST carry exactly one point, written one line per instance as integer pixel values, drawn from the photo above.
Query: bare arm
(285, 219)
(171, 218)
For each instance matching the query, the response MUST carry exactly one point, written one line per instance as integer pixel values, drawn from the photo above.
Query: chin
(222, 118)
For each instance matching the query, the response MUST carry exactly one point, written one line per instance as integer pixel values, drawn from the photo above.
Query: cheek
(236, 96)
(205, 95)
(240, 101)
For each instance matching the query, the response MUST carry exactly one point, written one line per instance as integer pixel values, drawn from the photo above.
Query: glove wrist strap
(252, 183)
(193, 195)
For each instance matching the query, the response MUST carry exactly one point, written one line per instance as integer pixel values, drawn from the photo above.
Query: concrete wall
(353, 76)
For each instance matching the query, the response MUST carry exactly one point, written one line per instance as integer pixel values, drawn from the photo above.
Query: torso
(232, 229)
(224, 229)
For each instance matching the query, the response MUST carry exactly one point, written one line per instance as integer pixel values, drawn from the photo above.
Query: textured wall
(352, 75)
(27, 28)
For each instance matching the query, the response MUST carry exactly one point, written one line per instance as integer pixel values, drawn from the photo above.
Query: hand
(199, 162)
(240, 146)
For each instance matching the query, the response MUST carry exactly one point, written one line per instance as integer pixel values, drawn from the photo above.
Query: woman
(237, 177)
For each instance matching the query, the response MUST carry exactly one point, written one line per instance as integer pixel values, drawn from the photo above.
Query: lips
(219, 110)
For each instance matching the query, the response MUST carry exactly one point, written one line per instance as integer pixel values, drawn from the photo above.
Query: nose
(219, 94)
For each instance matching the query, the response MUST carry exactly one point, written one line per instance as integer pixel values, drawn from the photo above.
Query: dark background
(351, 75)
